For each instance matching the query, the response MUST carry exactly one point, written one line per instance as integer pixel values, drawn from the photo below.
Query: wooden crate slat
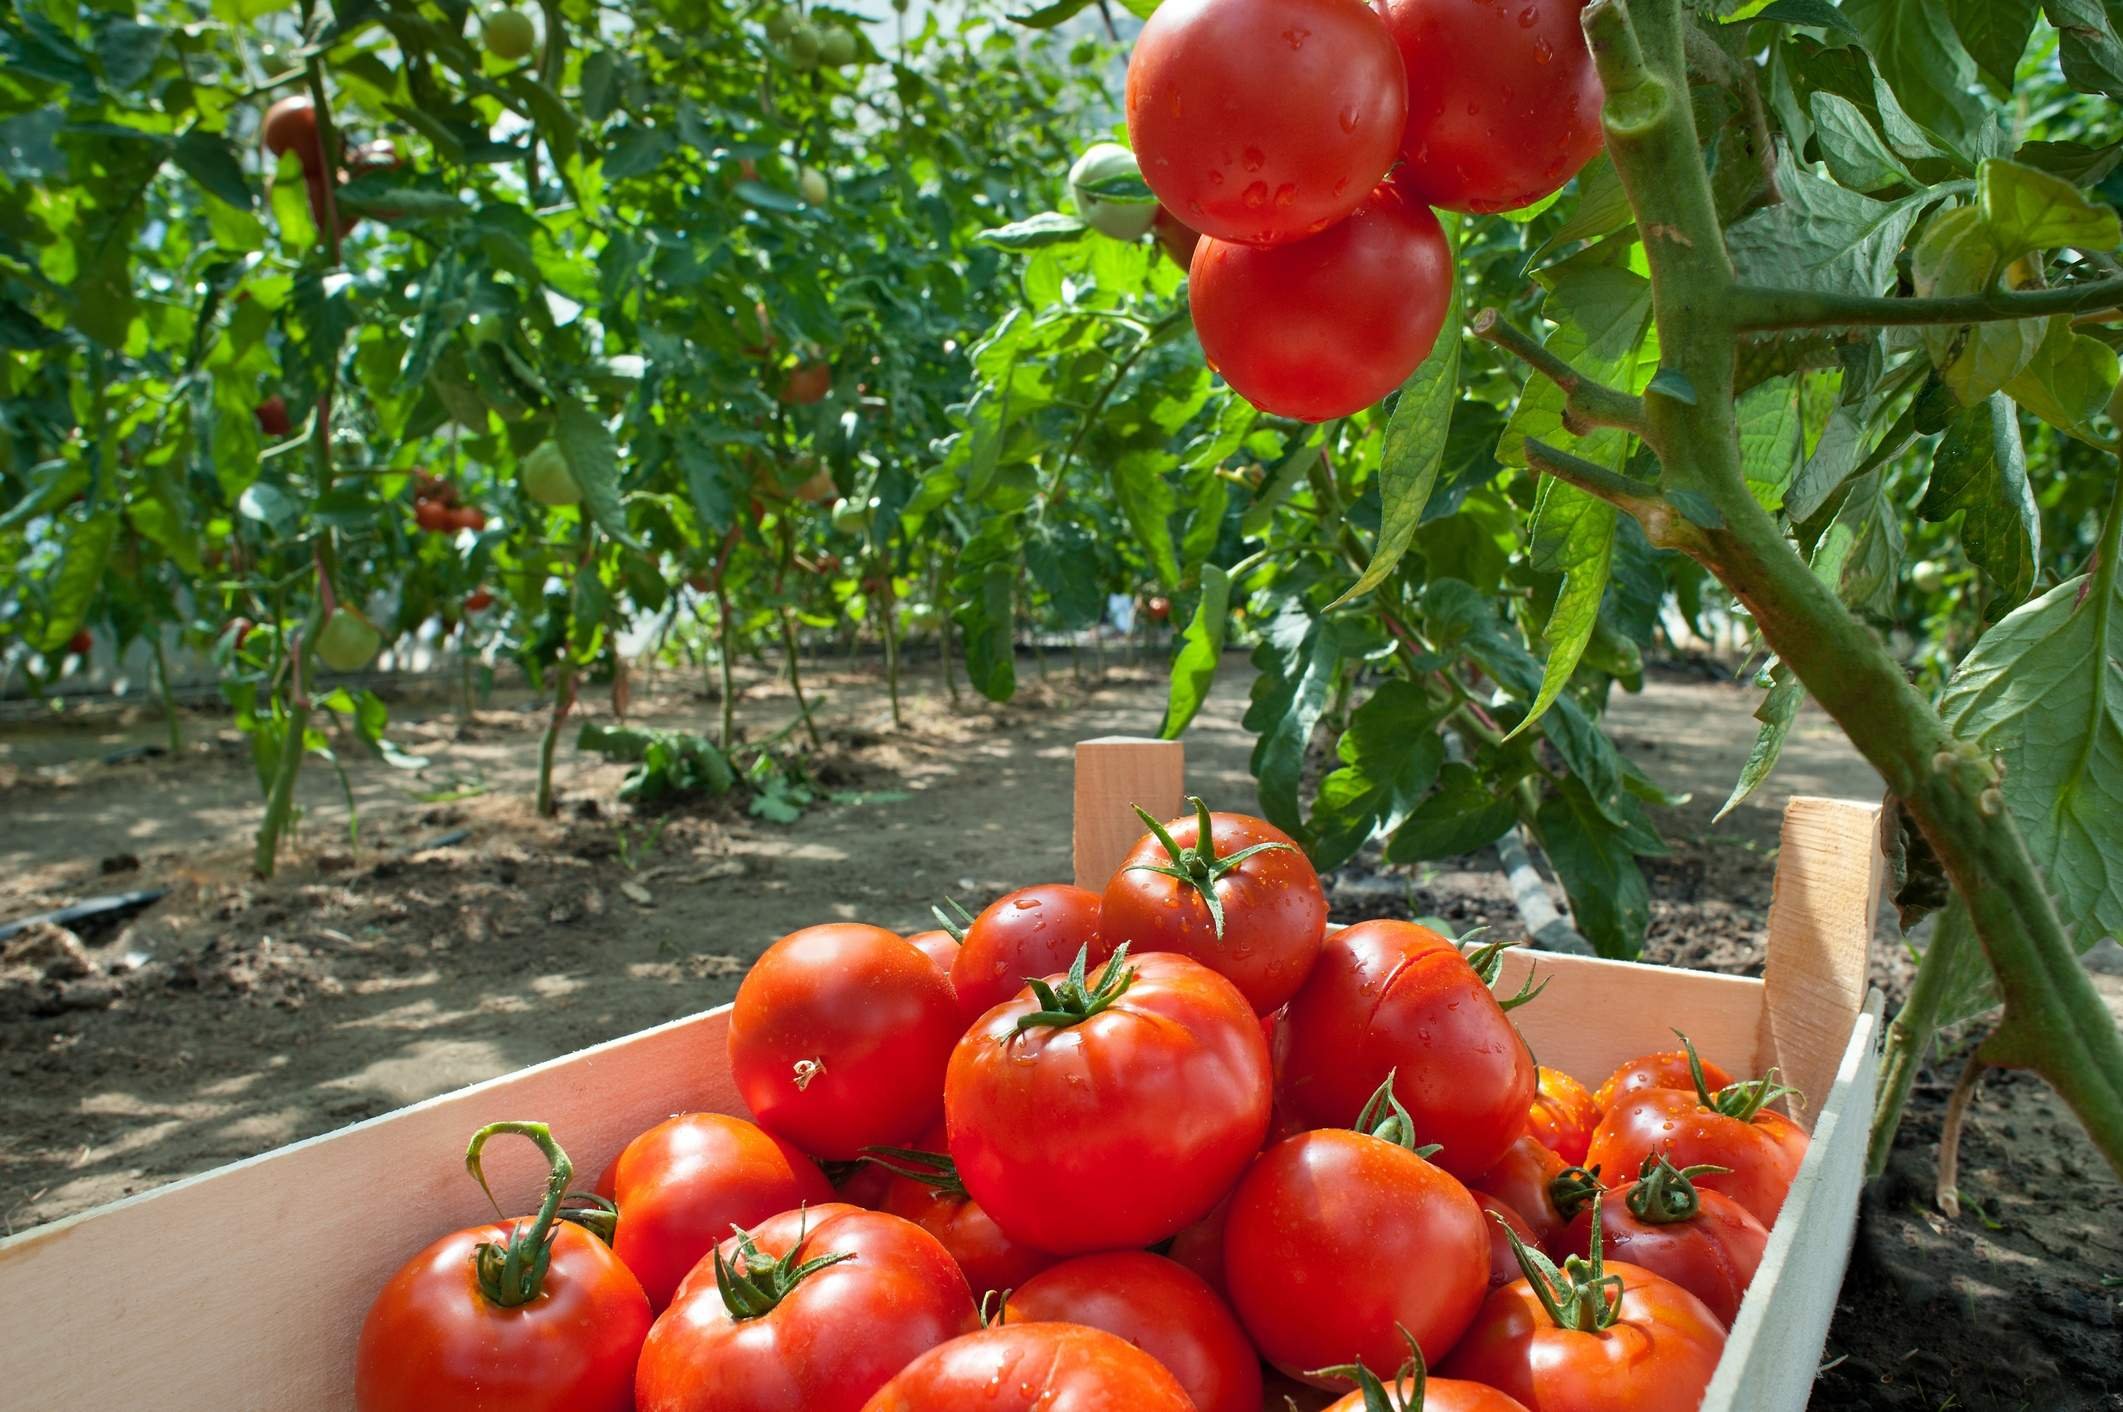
(1822, 909)
(1113, 774)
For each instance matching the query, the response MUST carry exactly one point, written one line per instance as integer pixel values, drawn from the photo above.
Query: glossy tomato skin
(1763, 1154)
(776, 1233)
(1264, 121)
(1394, 996)
(1034, 931)
(1200, 1247)
(1162, 1309)
(832, 1341)
(1668, 1068)
(1324, 327)
(1175, 236)
(1274, 910)
(1503, 100)
(291, 126)
(1033, 1368)
(1657, 1356)
(808, 384)
(989, 1259)
(1120, 1129)
(433, 1343)
(938, 947)
(1522, 1179)
(1712, 1254)
(681, 1185)
(1503, 1259)
(839, 1037)
(1562, 1115)
(1336, 1241)
(1439, 1395)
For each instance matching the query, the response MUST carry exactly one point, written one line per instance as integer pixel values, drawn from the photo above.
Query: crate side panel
(1821, 920)
(1595, 1014)
(244, 1287)
(1114, 774)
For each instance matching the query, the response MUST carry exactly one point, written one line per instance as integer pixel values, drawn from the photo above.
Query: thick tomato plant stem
(2054, 1021)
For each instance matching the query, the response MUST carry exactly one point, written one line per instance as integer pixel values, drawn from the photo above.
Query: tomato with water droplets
(1667, 1068)
(1702, 1240)
(1503, 100)
(1761, 1150)
(1034, 1368)
(1562, 1115)
(1034, 931)
(1264, 121)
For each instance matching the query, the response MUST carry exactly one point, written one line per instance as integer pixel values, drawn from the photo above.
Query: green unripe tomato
(1929, 576)
(509, 34)
(854, 516)
(802, 47)
(780, 23)
(546, 478)
(811, 184)
(837, 49)
(348, 641)
(1122, 220)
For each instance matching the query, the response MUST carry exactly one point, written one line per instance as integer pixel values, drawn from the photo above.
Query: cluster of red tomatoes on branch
(435, 507)
(1307, 140)
(1206, 1133)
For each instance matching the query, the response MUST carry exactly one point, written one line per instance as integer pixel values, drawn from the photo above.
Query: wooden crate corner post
(1115, 773)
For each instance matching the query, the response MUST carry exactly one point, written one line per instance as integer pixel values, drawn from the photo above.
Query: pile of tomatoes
(1121, 1150)
(1308, 140)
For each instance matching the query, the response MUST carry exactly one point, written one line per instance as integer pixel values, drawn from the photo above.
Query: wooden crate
(242, 1290)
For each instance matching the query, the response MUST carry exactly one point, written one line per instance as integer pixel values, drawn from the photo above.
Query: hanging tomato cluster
(1023, 1163)
(436, 508)
(1307, 140)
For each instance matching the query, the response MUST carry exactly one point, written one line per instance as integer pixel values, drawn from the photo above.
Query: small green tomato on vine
(803, 46)
(1104, 164)
(348, 641)
(546, 478)
(838, 49)
(509, 35)
(812, 185)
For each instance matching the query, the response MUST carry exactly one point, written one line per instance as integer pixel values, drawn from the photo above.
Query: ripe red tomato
(1760, 1149)
(1666, 1069)
(1264, 121)
(468, 517)
(839, 1037)
(1650, 1348)
(1093, 1116)
(925, 1189)
(1325, 327)
(1524, 1179)
(237, 631)
(1428, 1394)
(464, 1326)
(1033, 1368)
(1702, 1240)
(1249, 908)
(291, 126)
(1034, 931)
(1162, 1309)
(319, 202)
(803, 1315)
(939, 946)
(1395, 997)
(1176, 236)
(681, 1185)
(272, 416)
(1562, 1116)
(1503, 100)
(432, 515)
(1339, 1240)
(81, 643)
(1200, 1247)
(478, 601)
(1503, 1256)
(808, 384)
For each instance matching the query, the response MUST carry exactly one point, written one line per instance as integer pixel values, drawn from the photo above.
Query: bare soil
(461, 937)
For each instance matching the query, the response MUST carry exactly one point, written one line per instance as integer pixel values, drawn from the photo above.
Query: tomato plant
(1098, 1113)
(539, 1314)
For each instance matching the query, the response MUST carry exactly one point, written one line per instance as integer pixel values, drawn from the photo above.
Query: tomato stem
(1572, 1188)
(1076, 1000)
(1387, 1119)
(753, 1286)
(1580, 1295)
(1488, 962)
(1740, 1100)
(954, 926)
(1198, 866)
(1414, 1371)
(932, 1169)
(512, 1273)
(1663, 1194)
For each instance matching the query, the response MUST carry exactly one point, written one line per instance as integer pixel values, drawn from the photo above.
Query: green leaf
(208, 159)
(987, 624)
(1861, 551)
(1959, 254)
(1298, 658)
(1414, 448)
(1823, 237)
(593, 460)
(1390, 756)
(1573, 535)
(1980, 472)
(1779, 708)
(2027, 209)
(127, 51)
(1855, 153)
(1596, 863)
(1771, 438)
(2042, 692)
(2088, 47)
(1994, 32)
(637, 152)
(1913, 44)
(270, 506)
(78, 579)
(1201, 649)
(1672, 384)
(1814, 14)
(1148, 501)
(2070, 379)
(1048, 228)
(1460, 815)
(1048, 16)
(1834, 457)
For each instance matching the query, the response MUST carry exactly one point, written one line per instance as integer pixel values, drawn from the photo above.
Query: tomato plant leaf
(2042, 691)
(1854, 152)
(1859, 553)
(1995, 33)
(1980, 472)
(1389, 756)
(1818, 14)
(75, 583)
(2070, 379)
(208, 159)
(1049, 228)
(1597, 865)
(1459, 816)
(1573, 535)
(1298, 658)
(1201, 650)
(1148, 501)
(1779, 707)
(2089, 48)
(1914, 46)
(1771, 438)
(1050, 15)
(2025, 208)
(1821, 236)
(1960, 253)
(593, 460)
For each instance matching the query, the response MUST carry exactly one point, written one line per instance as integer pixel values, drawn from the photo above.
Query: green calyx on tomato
(764, 1283)
(934, 1169)
(1572, 1188)
(1488, 962)
(1074, 1000)
(954, 926)
(1740, 1100)
(513, 1273)
(1198, 866)
(1579, 1295)
(1387, 1119)
(1415, 1372)
(1663, 1194)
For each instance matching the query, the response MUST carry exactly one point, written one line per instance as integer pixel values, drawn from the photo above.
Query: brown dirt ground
(234, 1016)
